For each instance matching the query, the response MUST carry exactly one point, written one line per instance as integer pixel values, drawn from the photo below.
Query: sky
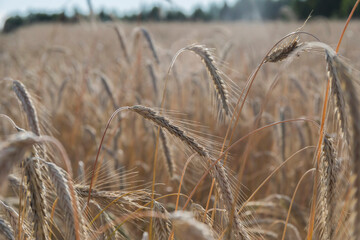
(12, 7)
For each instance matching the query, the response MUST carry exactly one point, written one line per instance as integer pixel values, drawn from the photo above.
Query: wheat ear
(161, 226)
(345, 76)
(186, 227)
(11, 216)
(283, 51)
(107, 87)
(150, 43)
(105, 220)
(329, 173)
(6, 231)
(122, 43)
(219, 84)
(218, 172)
(37, 198)
(27, 105)
(352, 100)
(153, 78)
(165, 123)
(70, 206)
(13, 150)
(338, 95)
(200, 214)
(224, 189)
(29, 108)
(32, 166)
(167, 154)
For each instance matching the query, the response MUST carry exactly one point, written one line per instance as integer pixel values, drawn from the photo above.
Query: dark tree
(12, 23)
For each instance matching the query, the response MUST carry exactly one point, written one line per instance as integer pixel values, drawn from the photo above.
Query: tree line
(241, 10)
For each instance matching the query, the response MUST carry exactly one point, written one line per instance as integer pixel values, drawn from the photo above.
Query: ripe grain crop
(276, 156)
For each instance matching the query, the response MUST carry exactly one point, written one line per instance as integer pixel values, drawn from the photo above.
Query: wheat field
(241, 130)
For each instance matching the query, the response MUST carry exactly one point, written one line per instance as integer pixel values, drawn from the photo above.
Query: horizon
(23, 7)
